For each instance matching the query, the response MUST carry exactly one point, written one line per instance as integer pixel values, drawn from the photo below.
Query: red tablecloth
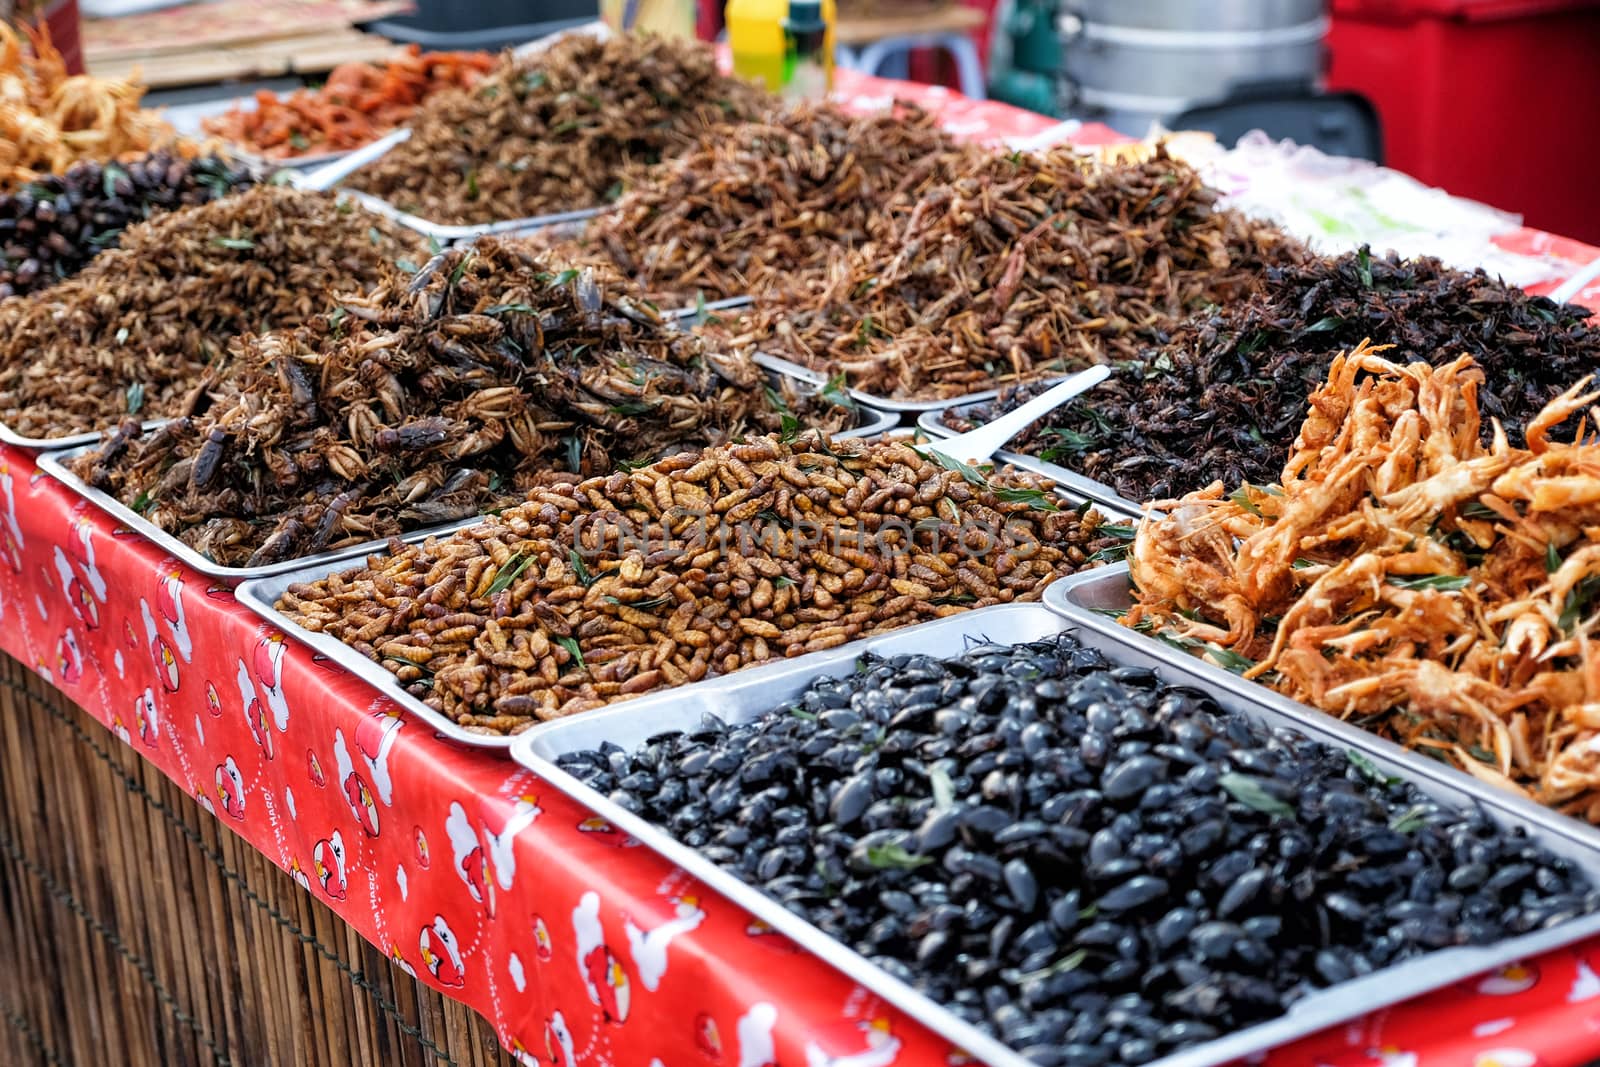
(580, 946)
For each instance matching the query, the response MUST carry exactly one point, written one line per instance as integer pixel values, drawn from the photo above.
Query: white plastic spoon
(976, 446)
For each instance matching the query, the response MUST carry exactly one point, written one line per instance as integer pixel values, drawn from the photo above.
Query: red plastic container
(1497, 100)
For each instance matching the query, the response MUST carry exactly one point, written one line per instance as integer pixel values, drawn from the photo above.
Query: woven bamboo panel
(136, 930)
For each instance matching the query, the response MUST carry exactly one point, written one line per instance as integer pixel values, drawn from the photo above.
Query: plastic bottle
(807, 72)
(755, 36)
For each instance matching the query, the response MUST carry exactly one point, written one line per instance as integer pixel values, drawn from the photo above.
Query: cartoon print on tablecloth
(761, 932)
(708, 1037)
(69, 658)
(602, 830)
(419, 846)
(169, 600)
(314, 770)
(398, 958)
(213, 700)
(161, 653)
(1506, 1057)
(255, 712)
(230, 788)
(862, 1043)
(469, 858)
(502, 851)
(120, 728)
(298, 873)
(754, 1034)
(358, 794)
(327, 860)
(648, 947)
(145, 717)
(603, 977)
(558, 1044)
(80, 599)
(543, 947)
(1585, 983)
(1509, 980)
(441, 955)
(268, 663)
(11, 540)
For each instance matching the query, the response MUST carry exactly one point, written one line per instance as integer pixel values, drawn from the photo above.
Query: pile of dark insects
(757, 202)
(1226, 397)
(557, 130)
(51, 227)
(435, 398)
(141, 329)
(1014, 267)
(1094, 867)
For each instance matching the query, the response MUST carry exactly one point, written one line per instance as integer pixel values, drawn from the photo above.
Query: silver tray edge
(538, 747)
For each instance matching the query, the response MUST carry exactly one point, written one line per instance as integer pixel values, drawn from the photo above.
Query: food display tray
(261, 595)
(55, 464)
(932, 423)
(744, 696)
(1089, 601)
(187, 119)
(884, 403)
(72, 440)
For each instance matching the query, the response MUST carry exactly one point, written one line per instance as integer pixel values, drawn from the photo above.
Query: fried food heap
(1440, 591)
(50, 120)
(429, 400)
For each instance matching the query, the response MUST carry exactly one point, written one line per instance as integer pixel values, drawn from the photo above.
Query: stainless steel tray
(187, 120)
(932, 423)
(885, 402)
(261, 595)
(445, 233)
(72, 440)
(742, 697)
(55, 464)
(1086, 600)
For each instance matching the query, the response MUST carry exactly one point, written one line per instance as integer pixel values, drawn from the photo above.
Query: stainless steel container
(746, 696)
(1134, 61)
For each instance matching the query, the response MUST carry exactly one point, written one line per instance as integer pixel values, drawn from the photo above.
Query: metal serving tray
(439, 231)
(932, 422)
(1086, 600)
(261, 595)
(55, 464)
(742, 697)
(72, 440)
(882, 402)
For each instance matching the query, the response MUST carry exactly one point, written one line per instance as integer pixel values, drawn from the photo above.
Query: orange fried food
(1441, 591)
(50, 120)
(359, 103)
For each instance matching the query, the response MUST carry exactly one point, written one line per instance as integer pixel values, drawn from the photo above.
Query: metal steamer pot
(1142, 60)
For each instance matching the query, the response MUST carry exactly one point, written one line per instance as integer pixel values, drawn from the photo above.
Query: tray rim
(932, 422)
(54, 464)
(1064, 597)
(532, 750)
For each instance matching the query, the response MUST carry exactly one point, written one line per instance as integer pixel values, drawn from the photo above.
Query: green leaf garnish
(135, 397)
(510, 572)
(585, 579)
(571, 645)
(895, 858)
(238, 244)
(1248, 790)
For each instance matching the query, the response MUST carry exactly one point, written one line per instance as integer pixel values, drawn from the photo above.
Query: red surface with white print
(580, 946)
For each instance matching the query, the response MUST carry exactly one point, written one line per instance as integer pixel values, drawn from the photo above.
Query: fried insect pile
(1225, 398)
(1441, 591)
(138, 330)
(555, 131)
(430, 400)
(703, 563)
(1017, 267)
(759, 201)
